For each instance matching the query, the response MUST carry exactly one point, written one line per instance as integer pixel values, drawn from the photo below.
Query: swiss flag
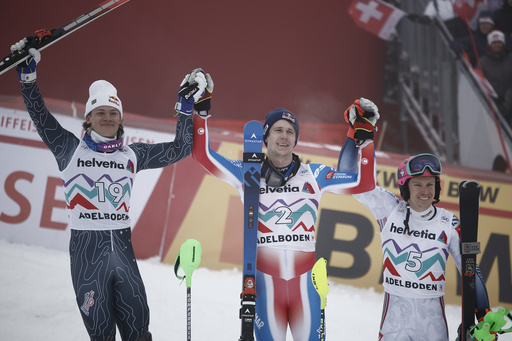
(375, 16)
(467, 9)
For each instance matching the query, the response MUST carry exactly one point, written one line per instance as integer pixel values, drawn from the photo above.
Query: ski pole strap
(492, 324)
(189, 258)
(504, 312)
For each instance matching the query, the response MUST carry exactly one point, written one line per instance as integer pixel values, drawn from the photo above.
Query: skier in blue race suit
(98, 172)
(290, 193)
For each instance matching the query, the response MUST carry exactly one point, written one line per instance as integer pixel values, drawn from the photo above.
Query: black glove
(191, 89)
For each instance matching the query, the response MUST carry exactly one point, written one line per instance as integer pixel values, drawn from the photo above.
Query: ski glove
(27, 69)
(191, 89)
(362, 116)
(203, 104)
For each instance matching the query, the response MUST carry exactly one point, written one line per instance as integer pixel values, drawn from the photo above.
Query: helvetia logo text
(100, 164)
(415, 233)
(283, 189)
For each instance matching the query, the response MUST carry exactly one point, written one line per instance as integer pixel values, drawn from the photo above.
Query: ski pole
(319, 278)
(188, 259)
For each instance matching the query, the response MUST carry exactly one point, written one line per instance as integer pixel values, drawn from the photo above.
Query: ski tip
(469, 183)
(254, 124)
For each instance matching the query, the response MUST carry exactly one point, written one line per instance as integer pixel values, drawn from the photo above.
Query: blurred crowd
(485, 41)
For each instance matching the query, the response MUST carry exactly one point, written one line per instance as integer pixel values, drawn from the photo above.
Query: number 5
(413, 261)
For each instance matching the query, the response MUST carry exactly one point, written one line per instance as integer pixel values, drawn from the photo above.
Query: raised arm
(192, 90)
(358, 154)
(61, 142)
(166, 153)
(223, 168)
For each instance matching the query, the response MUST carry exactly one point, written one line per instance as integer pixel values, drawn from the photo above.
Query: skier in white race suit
(290, 193)
(417, 238)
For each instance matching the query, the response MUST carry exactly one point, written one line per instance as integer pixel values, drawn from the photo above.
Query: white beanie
(102, 93)
(495, 36)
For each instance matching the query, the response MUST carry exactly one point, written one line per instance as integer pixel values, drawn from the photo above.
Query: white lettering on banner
(136, 139)
(17, 123)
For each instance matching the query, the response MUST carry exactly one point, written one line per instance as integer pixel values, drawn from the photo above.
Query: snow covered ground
(37, 302)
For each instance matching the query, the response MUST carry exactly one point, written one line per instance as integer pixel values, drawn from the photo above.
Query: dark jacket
(503, 19)
(497, 68)
(466, 44)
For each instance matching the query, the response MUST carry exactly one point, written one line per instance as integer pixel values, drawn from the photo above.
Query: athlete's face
(422, 190)
(280, 142)
(105, 120)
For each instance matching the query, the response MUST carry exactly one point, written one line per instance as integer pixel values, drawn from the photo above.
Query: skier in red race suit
(290, 193)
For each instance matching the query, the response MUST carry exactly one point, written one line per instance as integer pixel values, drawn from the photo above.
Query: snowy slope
(37, 302)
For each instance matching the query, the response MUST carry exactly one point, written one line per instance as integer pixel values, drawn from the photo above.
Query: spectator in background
(497, 68)
(493, 5)
(503, 19)
(478, 38)
(444, 9)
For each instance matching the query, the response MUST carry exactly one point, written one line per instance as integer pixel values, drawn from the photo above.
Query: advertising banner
(183, 201)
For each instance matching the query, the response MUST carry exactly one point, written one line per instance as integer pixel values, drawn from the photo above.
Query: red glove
(362, 117)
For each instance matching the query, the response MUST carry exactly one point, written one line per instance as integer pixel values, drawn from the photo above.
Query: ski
(41, 39)
(252, 160)
(469, 196)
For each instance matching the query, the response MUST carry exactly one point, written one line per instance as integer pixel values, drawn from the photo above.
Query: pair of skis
(41, 39)
(493, 322)
(252, 160)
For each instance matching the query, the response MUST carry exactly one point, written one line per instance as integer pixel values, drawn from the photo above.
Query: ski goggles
(419, 163)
